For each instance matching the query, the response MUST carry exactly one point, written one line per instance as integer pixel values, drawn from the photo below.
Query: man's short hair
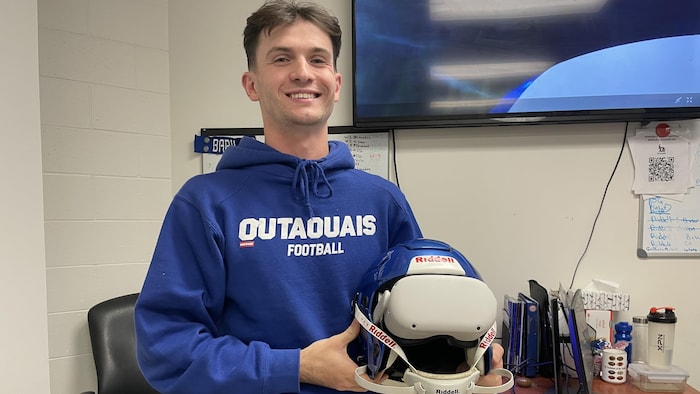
(275, 13)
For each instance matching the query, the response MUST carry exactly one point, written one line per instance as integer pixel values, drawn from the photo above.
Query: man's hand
(326, 362)
(496, 362)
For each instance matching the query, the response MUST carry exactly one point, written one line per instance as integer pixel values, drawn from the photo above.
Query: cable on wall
(393, 154)
(600, 208)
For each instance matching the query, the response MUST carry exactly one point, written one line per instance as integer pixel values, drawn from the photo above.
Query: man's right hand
(326, 362)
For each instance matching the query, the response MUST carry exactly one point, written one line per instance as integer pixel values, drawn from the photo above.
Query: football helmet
(427, 321)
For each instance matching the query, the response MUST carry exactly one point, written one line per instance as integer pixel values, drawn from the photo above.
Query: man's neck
(303, 143)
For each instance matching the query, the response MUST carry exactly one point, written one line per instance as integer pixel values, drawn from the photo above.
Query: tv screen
(423, 63)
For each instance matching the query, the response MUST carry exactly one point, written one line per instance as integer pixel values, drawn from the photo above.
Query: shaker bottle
(661, 333)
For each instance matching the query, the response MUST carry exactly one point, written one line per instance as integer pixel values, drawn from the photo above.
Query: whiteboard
(669, 227)
(369, 149)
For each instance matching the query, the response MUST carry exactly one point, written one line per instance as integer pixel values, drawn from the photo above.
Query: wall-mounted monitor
(427, 63)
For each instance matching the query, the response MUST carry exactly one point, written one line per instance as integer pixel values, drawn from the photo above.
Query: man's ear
(338, 84)
(248, 82)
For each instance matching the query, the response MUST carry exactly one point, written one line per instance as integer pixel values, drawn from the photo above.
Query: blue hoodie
(257, 260)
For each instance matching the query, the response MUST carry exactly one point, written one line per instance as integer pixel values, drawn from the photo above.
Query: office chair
(113, 339)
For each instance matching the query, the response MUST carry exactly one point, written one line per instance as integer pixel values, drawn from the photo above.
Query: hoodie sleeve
(178, 347)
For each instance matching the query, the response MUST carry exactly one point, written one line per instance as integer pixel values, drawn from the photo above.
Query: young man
(252, 279)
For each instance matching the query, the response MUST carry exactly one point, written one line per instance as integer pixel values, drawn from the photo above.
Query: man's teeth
(302, 95)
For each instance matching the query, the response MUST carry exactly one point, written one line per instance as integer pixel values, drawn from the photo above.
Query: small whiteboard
(670, 228)
(369, 149)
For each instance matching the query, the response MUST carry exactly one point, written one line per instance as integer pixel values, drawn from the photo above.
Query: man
(252, 278)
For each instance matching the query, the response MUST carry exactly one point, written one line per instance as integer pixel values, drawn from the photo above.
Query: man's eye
(319, 61)
(280, 60)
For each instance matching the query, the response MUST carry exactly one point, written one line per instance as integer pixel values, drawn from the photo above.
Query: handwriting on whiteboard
(670, 231)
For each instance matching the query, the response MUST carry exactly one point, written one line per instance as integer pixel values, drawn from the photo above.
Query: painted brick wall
(105, 117)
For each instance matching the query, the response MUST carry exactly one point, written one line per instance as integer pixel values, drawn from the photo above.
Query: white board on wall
(670, 228)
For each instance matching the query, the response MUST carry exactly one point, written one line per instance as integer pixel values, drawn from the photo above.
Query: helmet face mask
(428, 310)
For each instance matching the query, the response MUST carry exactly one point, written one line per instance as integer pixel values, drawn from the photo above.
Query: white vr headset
(425, 309)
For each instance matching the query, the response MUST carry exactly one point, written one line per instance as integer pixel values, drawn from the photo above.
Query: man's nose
(301, 71)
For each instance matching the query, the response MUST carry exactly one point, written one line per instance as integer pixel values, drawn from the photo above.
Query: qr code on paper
(661, 169)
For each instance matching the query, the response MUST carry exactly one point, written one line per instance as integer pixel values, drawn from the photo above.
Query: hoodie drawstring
(309, 177)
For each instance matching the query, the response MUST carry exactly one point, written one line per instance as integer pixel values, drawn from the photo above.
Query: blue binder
(531, 332)
(512, 332)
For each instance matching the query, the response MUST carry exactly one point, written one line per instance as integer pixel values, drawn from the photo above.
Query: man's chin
(309, 121)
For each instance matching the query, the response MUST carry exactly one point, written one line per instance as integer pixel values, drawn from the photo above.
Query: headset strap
(484, 344)
(381, 336)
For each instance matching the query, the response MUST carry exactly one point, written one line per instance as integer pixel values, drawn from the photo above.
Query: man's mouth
(303, 95)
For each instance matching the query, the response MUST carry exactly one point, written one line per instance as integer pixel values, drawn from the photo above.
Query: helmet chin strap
(425, 383)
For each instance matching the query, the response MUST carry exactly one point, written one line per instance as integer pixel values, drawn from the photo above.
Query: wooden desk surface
(545, 385)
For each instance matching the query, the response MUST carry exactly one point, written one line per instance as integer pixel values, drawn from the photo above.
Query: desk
(545, 385)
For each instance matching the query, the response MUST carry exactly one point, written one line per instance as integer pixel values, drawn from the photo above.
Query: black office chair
(111, 326)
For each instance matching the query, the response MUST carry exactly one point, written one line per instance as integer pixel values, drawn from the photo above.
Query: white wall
(105, 123)
(24, 364)
(518, 201)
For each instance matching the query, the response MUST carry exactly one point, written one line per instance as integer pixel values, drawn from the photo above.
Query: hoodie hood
(308, 177)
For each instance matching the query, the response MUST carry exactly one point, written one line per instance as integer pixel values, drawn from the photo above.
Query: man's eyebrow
(283, 49)
(279, 49)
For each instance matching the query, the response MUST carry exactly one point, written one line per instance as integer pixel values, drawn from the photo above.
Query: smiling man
(253, 275)
(252, 279)
(292, 75)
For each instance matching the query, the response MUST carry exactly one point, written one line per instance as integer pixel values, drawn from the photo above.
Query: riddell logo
(434, 259)
(490, 336)
(382, 336)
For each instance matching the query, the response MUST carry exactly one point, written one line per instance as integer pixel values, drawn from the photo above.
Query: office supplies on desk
(661, 336)
(614, 366)
(531, 329)
(543, 385)
(512, 325)
(581, 335)
(651, 379)
(559, 384)
(547, 340)
(640, 343)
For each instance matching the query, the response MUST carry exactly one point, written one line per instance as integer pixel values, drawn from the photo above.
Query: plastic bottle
(662, 325)
(639, 340)
(623, 332)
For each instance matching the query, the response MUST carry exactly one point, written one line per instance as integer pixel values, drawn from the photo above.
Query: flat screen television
(432, 63)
